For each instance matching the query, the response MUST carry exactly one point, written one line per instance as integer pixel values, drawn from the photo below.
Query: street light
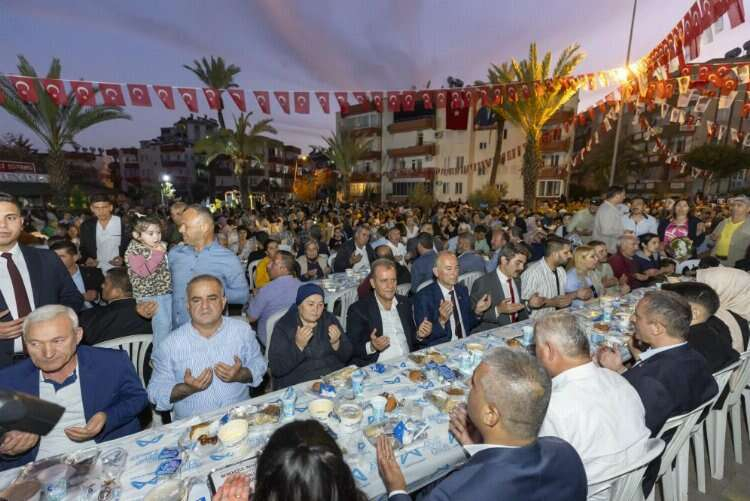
(164, 182)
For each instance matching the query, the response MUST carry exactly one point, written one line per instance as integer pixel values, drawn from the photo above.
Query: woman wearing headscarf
(307, 342)
(733, 287)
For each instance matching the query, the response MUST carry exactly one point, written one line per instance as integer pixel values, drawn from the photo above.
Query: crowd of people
(205, 285)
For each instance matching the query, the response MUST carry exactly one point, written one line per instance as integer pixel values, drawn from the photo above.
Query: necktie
(513, 316)
(23, 307)
(456, 315)
(557, 281)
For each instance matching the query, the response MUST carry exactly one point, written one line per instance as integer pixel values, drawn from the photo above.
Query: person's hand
(379, 343)
(311, 273)
(584, 293)
(91, 262)
(462, 427)
(92, 428)
(90, 295)
(612, 281)
(641, 277)
(445, 310)
(483, 304)
(228, 373)
(536, 301)
(235, 488)
(563, 301)
(633, 347)
(147, 309)
(17, 442)
(199, 383)
(389, 470)
(12, 328)
(117, 261)
(424, 329)
(609, 358)
(652, 272)
(334, 336)
(302, 337)
(507, 307)
(161, 247)
(356, 258)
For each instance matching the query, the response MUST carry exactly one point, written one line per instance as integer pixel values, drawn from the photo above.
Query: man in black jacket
(355, 253)
(104, 238)
(88, 279)
(381, 325)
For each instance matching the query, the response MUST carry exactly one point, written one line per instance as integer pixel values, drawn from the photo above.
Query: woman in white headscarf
(733, 287)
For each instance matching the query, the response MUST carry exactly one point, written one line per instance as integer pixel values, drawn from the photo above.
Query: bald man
(201, 254)
(447, 305)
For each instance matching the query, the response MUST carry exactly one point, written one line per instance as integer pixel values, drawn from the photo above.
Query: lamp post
(164, 180)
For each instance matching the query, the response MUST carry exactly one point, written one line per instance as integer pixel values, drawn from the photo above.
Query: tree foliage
(216, 74)
(488, 196)
(723, 160)
(345, 149)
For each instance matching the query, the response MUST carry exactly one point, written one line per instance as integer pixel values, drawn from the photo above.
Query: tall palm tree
(532, 113)
(345, 149)
(217, 75)
(56, 126)
(242, 146)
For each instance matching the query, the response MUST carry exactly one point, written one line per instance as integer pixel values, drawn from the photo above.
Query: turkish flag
(25, 88)
(362, 100)
(497, 94)
(139, 95)
(689, 36)
(377, 101)
(736, 11)
(190, 96)
(341, 97)
(512, 93)
(468, 98)
(213, 98)
(238, 96)
(164, 93)
(112, 94)
(484, 95)
(408, 98)
(707, 14)
(282, 97)
(426, 97)
(264, 100)
(456, 98)
(394, 101)
(441, 98)
(2, 97)
(55, 90)
(84, 92)
(457, 118)
(324, 101)
(302, 102)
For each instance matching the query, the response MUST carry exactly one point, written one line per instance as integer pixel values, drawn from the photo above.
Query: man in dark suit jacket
(102, 208)
(352, 252)
(499, 430)
(421, 268)
(376, 333)
(42, 277)
(88, 279)
(121, 317)
(445, 303)
(98, 387)
(504, 288)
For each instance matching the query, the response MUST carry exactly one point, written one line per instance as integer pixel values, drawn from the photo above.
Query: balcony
(173, 163)
(552, 146)
(132, 165)
(371, 155)
(364, 177)
(413, 151)
(424, 173)
(412, 125)
(172, 148)
(367, 132)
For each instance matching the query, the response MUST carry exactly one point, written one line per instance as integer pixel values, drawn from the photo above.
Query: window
(445, 188)
(447, 163)
(552, 160)
(402, 164)
(505, 133)
(459, 188)
(459, 162)
(482, 145)
(482, 169)
(549, 188)
(367, 166)
(420, 138)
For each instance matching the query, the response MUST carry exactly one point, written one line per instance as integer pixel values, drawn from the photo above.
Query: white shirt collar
(503, 278)
(655, 351)
(394, 303)
(475, 448)
(445, 291)
(583, 371)
(15, 251)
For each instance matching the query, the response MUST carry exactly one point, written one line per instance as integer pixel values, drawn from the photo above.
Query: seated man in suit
(504, 288)
(468, 259)
(499, 430)
(380, 325)
(355, 253)
(445, 303)
(421, 268)
(98, 387)
(121, 316)
(88, 279)
(670, 377)
(29, 278)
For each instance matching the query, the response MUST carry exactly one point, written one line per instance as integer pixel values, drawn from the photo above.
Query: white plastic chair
(698, 439)
(683, 426)
(468, 279)
(686, 265)
(347, 297)
(136, 347)
(424, 284)
(331, 259)
(403, 289)
(716, 422)
(270, 324)
(252, 267)
(625, 485)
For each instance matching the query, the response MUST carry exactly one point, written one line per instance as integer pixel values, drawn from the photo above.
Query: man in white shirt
(586, 397)
(394, 242)
(608, 220)
(638, 222)
(103, 239)
(546, 278)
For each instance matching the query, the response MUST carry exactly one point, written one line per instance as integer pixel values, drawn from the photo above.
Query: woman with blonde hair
(585, 261)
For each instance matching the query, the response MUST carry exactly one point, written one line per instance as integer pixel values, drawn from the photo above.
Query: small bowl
(478, 347)
(320, 408)
(233, 433)
(350, 414)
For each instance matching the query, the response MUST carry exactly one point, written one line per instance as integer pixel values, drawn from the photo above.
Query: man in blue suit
(446, 304)
(29, 278)
(421, 268)
(499, 431)
(98, 387)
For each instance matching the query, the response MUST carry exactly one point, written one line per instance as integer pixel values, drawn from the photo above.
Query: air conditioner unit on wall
(438, 135)
(428, 158)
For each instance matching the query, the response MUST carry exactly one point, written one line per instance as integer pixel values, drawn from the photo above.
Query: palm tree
(242, 146)
(532, 113)
(56, 126)
(217, 75)
(345, 149)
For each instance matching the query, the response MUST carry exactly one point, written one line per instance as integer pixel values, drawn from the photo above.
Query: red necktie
(513, 316)
(23, 307)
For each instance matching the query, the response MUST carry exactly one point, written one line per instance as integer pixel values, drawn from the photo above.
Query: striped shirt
(184, 348)
(539, 278)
